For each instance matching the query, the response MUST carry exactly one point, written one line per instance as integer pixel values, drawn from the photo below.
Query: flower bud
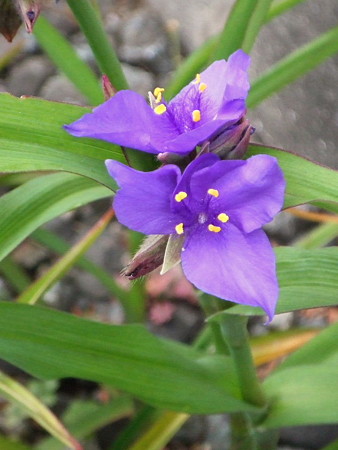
(233, 142)
(148, 258)
(10, 20)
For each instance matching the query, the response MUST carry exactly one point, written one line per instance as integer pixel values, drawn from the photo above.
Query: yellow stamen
(196, 115)
(179, 228)
(160, 109)
(158, 90)
(198, 78)
(202, 87)
(223, 217)
(214, 228)
(158, 94)
(213, 192)
(181, 196)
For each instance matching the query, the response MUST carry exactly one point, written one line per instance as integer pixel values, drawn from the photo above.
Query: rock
(59, 88)
(139, 80)
(144, 41)
(303, 116)
(26, 77)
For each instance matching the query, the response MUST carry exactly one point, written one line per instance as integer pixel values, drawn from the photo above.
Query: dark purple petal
(143, 201)
(233, 266)
(126, 119)
(253, 193)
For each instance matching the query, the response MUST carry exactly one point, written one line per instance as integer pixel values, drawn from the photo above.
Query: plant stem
(235, 331)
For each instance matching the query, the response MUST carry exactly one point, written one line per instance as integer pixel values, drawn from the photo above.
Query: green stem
(92, 28)
(234, 329)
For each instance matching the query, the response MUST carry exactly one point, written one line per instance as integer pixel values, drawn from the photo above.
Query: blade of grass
(318, 237)
(58, 245)
(293, 66)
(92, 27)
(14, 274)
(233, 34)
(255, 24)
(83, 417)
(18, 394)
(32, 294)
(280, 6)
(66, 59)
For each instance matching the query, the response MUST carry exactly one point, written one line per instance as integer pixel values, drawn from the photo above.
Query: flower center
(207, 217)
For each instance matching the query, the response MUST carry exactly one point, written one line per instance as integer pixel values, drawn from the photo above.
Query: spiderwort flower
(207, 107)
(218, 207)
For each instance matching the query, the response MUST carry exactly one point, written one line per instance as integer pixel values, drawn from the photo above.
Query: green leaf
(58, 245)
(320, 350)
(293, 66)
(301, 388)
(16, 393)
(40, 143)
(278, 7)
(27, 207)
(302, 395)
(66, 59)
(258, 17)
(298, 171)
(307, 279)
(93, 29)
(237, 24)
(165, 374)
(83, 417)
(33, 293)
(318, 237)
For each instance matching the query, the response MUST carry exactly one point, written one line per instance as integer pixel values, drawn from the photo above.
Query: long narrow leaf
(66, 59)
(58, 245)
(32, 294)
(92, 28)
(298, 171)
(255, 24)
(38, 142)
(233, 34)
(163, 373)
(18, 394)
(280, 6)
(293, 66)
(84, 417)
(36, 202)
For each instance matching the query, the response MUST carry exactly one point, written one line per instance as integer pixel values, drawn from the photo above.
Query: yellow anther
(202, 87)
(179, 228)
(160, 109)
(213, 192)
(214, 228)
(158, 90)
(158, 94)
(181, 196)
(223, 217)
(198, 78)
(196, 115)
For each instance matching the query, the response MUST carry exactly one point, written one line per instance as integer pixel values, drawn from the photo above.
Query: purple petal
(237, 76)
(233, 266)
(186, 142)
(126, 119)
(143, 201)
(251, 191)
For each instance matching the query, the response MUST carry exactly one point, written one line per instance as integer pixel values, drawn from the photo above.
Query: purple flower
(205, 109)
(218, 207)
